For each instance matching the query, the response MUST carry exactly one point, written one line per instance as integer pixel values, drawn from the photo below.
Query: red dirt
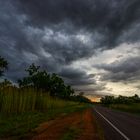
(89, 127)
(55, 129)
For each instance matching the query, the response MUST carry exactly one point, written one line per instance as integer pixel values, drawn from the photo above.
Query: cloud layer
(67, 36)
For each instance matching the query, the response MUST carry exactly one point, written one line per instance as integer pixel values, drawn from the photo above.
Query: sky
(94, 45)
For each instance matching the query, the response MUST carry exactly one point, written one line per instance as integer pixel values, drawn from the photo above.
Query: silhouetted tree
(33, 69)
(46, 82)
(3, 65)
(107, 100)
(5, 83)
(120, 99)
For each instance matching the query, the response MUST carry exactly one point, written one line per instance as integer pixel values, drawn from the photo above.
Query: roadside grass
(22, 110)
(16, 101)
(19, 125)
(71, 133)
(99, 130)
(75, 131)
(131, 108)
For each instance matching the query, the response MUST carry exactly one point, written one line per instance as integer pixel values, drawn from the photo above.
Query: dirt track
(80, 124)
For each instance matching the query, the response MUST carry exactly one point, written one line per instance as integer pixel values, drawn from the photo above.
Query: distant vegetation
(128, 104)
(120, 99)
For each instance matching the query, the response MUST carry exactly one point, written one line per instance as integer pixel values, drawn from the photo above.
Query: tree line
(44, 81)
(107, 100)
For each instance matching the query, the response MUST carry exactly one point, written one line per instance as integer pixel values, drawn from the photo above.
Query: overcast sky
(93, 44)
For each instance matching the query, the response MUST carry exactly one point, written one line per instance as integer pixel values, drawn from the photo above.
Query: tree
(135, 98)
(3, 65)
(107, 100)
(5, 83)
(81, 93)
(57, 85)
(41, 80)
(33, 69)
(120, 99)
(36, 78)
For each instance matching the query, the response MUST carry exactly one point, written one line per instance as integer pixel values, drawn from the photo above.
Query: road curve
(118, 125)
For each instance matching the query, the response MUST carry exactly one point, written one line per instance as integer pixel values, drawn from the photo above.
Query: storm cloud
(77, 77)
(124, 70)
(63, 36)
(109, 17)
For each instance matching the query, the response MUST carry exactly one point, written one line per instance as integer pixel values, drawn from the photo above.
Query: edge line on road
(122, 134)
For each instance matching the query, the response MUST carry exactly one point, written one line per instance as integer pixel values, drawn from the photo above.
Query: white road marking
(112, 125)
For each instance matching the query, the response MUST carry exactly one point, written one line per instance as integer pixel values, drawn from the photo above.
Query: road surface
(118, 125)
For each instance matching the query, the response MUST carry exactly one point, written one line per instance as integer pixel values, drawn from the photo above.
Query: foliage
(34, 91)
(5, 83)
(17, 126)
(41, 80)
(51, 83)
(71, 133)
(15, 100)
(107, 100)
(132, 108)
(40, 96)
(3, 65)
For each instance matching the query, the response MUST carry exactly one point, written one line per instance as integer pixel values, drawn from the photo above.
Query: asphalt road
(118, 125)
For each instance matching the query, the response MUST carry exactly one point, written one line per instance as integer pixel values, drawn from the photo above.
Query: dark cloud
(76, 77)
(95, 13)
(109, 17)
(129, 65)
(93, 89)
(124, 70)
(56, 33)
(121, 77)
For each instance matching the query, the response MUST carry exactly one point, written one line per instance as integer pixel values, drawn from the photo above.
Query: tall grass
(14, 100)
(22, 110)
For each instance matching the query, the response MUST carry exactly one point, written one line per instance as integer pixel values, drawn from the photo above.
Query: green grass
(100, 131)
(131, 108)
(22, 110)
(71, 133)
(19, 125)
(13, 100)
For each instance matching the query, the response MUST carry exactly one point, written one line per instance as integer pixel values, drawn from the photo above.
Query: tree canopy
(120, 99)
(3, 65)
(44, 81)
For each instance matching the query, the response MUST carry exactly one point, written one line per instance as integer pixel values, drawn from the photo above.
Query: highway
(117, 125)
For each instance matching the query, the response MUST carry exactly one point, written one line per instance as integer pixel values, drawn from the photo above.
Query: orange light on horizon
(94, 99)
